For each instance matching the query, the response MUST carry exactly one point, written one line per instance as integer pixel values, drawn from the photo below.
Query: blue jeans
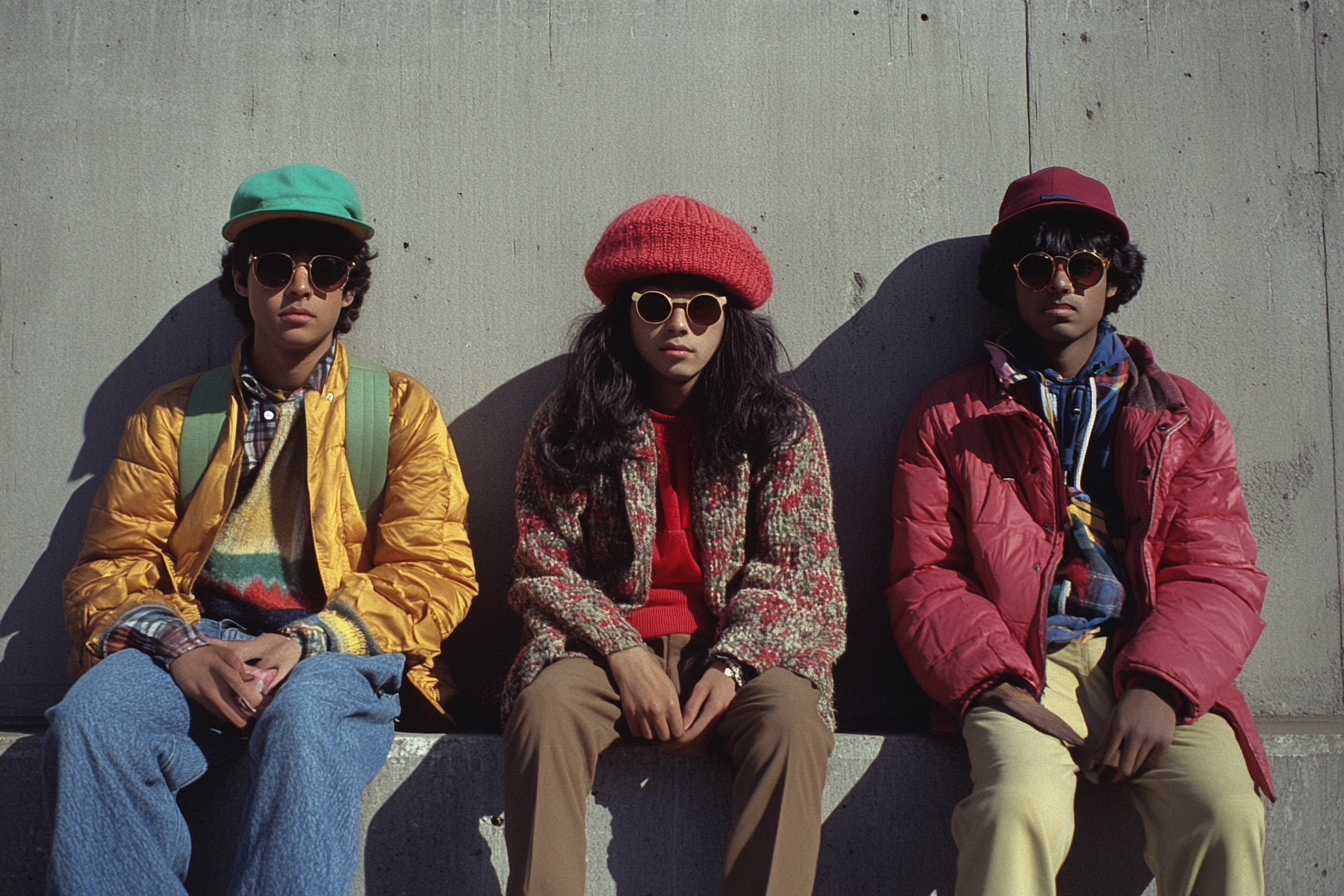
(125, 739)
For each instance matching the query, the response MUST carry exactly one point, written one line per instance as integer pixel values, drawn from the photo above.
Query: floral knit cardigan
(767, 548)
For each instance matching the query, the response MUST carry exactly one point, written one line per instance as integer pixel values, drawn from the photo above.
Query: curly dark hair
(1058, 233)
(744, 408)
(296, 236)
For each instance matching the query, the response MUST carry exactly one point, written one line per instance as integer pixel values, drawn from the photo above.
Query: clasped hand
(650, 706)
(1138, 730)
(236, 680)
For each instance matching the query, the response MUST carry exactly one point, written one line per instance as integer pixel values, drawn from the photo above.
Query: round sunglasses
(703, 310)
(274, 270)
(1084, 267)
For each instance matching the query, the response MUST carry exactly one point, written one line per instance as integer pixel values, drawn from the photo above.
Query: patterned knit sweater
(767, 549)
(262, 570)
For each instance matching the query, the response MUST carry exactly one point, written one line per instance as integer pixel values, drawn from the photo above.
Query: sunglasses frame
(294, 266)
(673, 303)
(1068, 260)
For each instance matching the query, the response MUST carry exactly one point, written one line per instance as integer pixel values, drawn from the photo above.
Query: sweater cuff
(336, 629)
(615, 639)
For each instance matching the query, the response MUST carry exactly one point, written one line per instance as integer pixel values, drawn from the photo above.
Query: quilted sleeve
(953, 638)
(1205, 613)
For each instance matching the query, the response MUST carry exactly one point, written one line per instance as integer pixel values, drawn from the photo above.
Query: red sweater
(676, 604)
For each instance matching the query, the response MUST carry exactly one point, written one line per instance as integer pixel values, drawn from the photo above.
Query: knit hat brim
(679, 235)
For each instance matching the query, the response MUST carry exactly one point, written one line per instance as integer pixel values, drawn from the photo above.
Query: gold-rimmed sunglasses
(1085, 268)
(703, 310)
(274, 270)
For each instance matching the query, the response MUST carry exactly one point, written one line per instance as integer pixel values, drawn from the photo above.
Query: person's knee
(559, 699)
(784, 720)
(73, 720)
(1008, 808)
(1232, 817)
(297, 717)
(541, 707)
(319, 696)
(794, 730)
(107, 699)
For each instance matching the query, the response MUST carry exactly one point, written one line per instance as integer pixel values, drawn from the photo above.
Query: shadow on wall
(197, 333)
(926, 319)
(489, 441)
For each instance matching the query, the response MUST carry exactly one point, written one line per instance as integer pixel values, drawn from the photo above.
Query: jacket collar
(1151, 387)
(328, 376)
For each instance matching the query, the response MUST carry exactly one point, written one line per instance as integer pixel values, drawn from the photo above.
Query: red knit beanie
(678, 235)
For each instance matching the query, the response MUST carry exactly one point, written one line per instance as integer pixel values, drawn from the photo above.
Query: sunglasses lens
(1035, 271)
(328, 272)
(653, 307)
(273, 270)
(704, 310)
(1085, 269)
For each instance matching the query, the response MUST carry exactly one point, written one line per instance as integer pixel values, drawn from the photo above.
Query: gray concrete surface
(657, 824)
(866, 145)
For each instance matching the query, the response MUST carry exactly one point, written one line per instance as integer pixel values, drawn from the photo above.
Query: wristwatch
(732, 668)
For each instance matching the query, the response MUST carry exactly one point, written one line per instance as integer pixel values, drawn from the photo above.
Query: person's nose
(678, 322)
(301, 282)
(1060, 282)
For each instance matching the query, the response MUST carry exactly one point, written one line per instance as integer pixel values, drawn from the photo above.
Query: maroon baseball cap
(1053, 188)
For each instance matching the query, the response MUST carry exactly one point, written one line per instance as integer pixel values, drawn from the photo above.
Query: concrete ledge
(657, 824)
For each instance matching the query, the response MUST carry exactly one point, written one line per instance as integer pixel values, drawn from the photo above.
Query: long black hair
(1059, 233)
(297, 236)
(743, 406)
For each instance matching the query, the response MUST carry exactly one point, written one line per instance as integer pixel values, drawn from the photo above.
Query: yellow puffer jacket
(412, 580)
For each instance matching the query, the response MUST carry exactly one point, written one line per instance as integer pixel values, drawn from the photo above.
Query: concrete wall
(865, 144)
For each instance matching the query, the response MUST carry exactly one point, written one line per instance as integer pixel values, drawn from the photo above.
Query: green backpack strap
(207, 409)
(367, 424)
(367, 421)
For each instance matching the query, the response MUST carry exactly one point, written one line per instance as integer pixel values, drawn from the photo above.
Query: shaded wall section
(866, 146)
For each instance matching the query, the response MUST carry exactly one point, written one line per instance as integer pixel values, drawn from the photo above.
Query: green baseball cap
(296, 191)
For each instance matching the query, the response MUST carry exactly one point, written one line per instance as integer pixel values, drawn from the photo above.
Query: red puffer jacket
(979, 507)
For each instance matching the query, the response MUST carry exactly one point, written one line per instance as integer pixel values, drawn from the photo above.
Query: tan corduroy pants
(563, 721)
(1204, 825)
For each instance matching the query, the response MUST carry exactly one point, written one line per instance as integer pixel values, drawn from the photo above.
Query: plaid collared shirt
(262, 416)
(156, 628)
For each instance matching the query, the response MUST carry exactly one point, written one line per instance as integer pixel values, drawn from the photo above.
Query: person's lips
(676, 351)
(1059, 309)
(297, 315)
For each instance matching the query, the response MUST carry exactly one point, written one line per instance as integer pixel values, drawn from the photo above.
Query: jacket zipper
(1061, 498)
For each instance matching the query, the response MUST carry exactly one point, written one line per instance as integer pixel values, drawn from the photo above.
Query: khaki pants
(564, 719)
(1204, 824)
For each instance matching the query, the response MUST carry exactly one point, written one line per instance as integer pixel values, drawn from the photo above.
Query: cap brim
(1044, 207)
(242, 222)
